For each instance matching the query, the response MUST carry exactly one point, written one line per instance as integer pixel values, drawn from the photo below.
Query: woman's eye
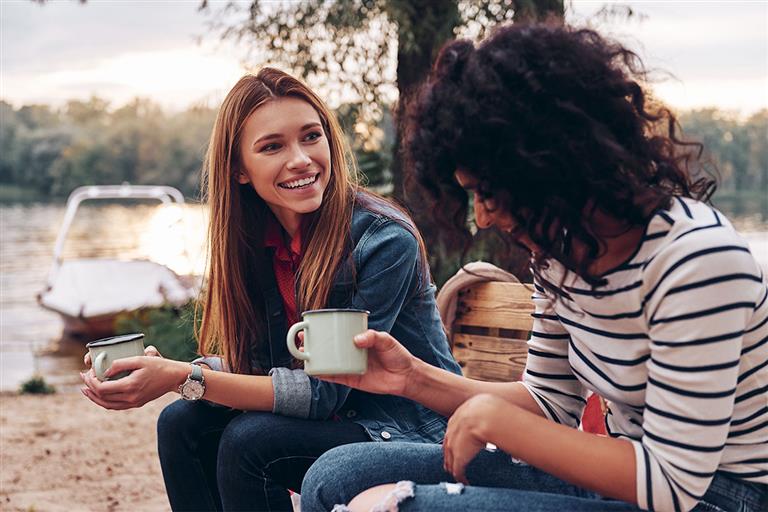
(312, 136)
(270, 147)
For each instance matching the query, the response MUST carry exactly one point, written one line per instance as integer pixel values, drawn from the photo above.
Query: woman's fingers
(87, 359)
(151, 351)
(125, 364)
(107, 404)
(377, 340)
(447, 456)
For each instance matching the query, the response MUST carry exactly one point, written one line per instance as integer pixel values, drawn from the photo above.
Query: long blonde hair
(233, 317)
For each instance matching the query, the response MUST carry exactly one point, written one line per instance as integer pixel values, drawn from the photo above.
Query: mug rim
(335, 310)
(114, 340)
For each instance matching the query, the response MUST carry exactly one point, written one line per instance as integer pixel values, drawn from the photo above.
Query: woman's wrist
(417, 381)
(179, 372)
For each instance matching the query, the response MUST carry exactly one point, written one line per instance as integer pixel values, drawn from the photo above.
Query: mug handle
(98, 364)
(291, 340)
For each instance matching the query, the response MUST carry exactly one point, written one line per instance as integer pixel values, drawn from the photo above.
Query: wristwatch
(194, 387)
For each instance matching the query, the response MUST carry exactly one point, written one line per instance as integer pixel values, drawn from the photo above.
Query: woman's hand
(149, 351)
(151, 377)
(471, 428)
(389, 365)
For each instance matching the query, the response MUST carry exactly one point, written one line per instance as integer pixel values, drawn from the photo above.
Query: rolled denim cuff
(293, 392)
(214, 362)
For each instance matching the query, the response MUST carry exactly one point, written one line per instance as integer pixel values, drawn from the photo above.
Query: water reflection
(170, 234)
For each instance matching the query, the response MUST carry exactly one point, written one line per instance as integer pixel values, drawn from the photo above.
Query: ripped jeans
(498, 483)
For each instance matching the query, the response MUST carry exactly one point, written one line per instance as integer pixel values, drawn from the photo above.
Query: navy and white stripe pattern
(677, 342)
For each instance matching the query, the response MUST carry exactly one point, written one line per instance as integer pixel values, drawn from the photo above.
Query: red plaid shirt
(285, 261)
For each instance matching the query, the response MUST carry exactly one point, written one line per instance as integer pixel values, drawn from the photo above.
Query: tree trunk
(423, 27)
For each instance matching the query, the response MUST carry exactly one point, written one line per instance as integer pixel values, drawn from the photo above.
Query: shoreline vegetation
(47, 151)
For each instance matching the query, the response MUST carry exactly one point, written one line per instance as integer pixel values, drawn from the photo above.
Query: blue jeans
(498, 483)
(215, 458)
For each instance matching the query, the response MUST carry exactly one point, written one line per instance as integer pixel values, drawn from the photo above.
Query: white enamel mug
(328, 345)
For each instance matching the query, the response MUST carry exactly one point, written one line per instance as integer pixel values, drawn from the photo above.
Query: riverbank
(61, 452)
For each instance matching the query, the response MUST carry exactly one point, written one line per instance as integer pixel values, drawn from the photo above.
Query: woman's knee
(340, 474)
(188, 422)
(255, 438)
(174, 420)
(383, 497)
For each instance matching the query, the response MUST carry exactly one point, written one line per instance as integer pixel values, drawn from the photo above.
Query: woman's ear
(242, 178)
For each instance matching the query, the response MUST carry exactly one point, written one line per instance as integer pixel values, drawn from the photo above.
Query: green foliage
(738, 149)
(371, 50)
(374, 51)
(51, 151)
(36, 385)
(46, 153)
(169, 329)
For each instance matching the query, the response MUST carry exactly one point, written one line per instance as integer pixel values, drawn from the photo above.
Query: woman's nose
(483, 218)
(298, 159)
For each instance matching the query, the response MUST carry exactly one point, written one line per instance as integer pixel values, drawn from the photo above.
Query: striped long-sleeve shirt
(677, 342)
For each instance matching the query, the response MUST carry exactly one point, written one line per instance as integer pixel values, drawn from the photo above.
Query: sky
(712, 53)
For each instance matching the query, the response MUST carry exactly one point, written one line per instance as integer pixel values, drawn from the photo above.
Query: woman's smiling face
(286, 158)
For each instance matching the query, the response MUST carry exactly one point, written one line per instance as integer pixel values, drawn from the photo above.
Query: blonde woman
(290, 231)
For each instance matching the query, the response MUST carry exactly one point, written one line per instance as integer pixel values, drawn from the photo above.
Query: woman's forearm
(443, 391)
(245, 392)
(603, 464)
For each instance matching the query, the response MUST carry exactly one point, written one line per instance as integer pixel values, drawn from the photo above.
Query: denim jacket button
(351, 414)
(385, 435)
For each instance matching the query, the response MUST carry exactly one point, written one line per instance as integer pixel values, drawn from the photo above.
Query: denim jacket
(390, 282)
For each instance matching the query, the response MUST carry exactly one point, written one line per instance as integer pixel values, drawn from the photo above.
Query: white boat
(89, 293)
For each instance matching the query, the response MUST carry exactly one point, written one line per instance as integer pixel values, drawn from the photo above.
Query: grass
(36, 385)
(17, 194)
(168, 328)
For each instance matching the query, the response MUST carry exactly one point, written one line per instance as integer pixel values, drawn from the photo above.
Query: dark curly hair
(551, 121)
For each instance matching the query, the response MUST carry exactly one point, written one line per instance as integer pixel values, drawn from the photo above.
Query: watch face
(192, 390)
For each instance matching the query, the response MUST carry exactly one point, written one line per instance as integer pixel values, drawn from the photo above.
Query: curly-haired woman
(643, 294)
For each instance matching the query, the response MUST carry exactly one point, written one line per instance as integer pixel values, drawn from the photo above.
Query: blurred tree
(372, 53)
(726, 145)
(9, 127)
(756, 132)
(91, 113)
(47, 152)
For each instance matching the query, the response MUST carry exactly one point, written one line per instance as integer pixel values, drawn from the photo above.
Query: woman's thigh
(183, 425)
(415, 498)
(343, 473)
(278, 447)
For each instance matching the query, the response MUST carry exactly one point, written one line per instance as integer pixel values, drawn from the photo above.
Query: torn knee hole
(402, 491)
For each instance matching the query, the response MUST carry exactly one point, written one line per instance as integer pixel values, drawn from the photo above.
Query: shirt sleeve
(696, 318)
(548, 375)
(386, 260)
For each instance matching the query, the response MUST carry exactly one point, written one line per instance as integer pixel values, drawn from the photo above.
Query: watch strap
(197, 373)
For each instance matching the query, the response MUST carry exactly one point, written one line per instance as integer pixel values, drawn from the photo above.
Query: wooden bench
(490, 331)
(489, 338)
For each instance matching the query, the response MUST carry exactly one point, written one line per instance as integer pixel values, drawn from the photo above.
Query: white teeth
(299, 183)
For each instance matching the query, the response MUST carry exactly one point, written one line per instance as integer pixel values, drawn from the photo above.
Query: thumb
(378, 340)
(125, 364)
(152, 351)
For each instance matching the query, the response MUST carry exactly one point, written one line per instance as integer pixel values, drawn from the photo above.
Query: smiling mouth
(300, 183)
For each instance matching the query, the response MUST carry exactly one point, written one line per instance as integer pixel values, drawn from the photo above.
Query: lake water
(30, 336)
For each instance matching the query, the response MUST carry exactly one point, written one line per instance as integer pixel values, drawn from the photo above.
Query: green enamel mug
(106, 350)
(328, 341)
